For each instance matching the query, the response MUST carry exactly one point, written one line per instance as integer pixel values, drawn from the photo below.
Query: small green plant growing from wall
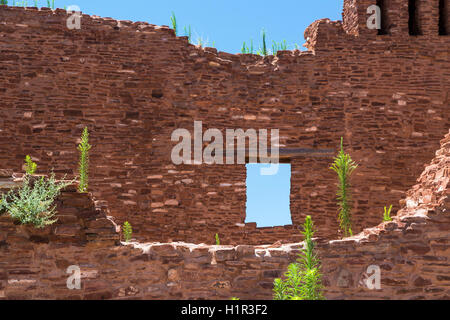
(217, 240)
(30, 166)
(188, 33)
(277, 46)
(32, 203)
(344, 166)
(2, 208)
(235, 298)
(387, 214)
(263, 51)
(187, 30)
(84, 148)
(303, 279)
(247, 50)
(51, 4)
(127, 231)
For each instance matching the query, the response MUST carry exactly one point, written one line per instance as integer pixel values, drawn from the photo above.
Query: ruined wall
(412, 252)
(132, 84)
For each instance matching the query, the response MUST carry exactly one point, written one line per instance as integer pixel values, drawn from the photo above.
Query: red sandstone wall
(132, 84)
(412, 252)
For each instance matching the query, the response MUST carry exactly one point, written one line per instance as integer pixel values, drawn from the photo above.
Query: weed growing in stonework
(201, 42)
(127, 231)
(187, 30)
(246, 50)
(32, 203)
(173, 21)
(84, 148)
(30, 166)
(303, 278)
(188, 33)
(217, 240)
(277, 46)
(344, 166)
(52, 5)
(387, 214)
(234, 298)
(263, 51)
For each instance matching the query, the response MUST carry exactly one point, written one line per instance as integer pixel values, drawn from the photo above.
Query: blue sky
(268, 196)
(228, 23)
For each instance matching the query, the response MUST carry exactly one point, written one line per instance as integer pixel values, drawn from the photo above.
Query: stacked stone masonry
(133, 83)
(412, 252)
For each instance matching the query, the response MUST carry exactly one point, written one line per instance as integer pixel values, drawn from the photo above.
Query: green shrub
(303, 278)
(84, 148)
(344, 166)
(127, 231)
(4, 2)
(32, 203)
(288, 288)
(387, 214)
(30, 166)
(217, 240)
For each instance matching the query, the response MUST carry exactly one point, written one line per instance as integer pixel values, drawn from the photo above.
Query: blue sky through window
(268, 197)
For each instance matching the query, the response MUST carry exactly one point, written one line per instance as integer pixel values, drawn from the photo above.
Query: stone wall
(412, 252)
(132, 84)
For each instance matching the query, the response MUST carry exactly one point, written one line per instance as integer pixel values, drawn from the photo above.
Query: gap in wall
(413, 23)
(268, 196)
(384, 17)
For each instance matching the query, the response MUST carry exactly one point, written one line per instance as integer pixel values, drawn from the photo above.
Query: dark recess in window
(443, 18)
(414, 28)
(384, 19)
